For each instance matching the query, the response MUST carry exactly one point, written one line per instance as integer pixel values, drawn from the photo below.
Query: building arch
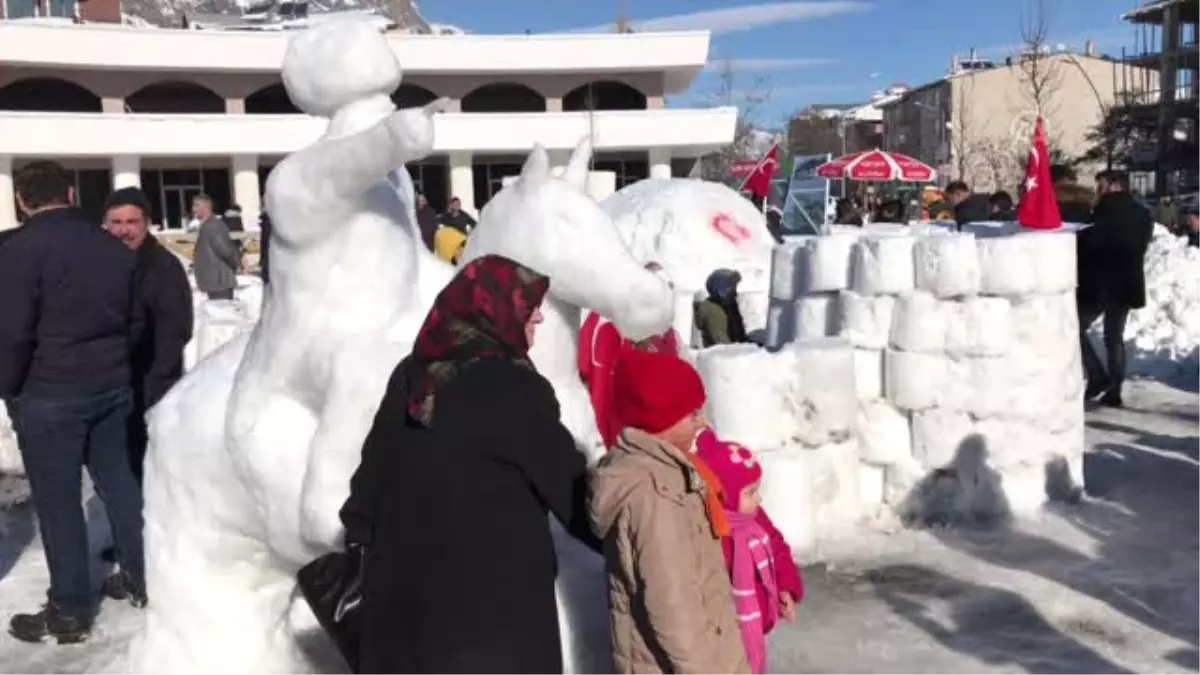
(412, 96)
(604, 95)
(503, 97)
(271, 100)
(48, 94)
(175, 97)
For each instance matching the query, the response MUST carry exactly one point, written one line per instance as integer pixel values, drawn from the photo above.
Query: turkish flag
(758, 183)
(1039, 206)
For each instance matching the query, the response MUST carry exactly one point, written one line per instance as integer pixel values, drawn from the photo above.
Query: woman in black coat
(465, 459)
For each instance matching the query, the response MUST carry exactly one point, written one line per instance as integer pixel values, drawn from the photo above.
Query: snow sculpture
(692, 227)
(252, 452)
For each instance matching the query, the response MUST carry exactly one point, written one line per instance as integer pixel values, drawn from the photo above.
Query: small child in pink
(766, 582)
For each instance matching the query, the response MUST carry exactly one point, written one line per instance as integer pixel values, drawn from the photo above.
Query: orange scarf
(712, 498)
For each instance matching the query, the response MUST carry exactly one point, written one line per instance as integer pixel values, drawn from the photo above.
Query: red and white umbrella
(877, 165)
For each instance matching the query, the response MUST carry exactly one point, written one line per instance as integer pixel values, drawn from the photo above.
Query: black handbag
(332, 585)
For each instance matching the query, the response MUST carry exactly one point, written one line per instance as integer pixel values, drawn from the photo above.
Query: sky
(781, 56)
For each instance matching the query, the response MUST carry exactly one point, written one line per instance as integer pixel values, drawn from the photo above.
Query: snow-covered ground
(1109, 585)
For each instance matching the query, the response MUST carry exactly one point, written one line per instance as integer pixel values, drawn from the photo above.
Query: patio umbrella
(877, 165)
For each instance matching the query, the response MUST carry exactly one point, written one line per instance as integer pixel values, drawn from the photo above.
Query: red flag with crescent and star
(1039, 205)
(758, 183)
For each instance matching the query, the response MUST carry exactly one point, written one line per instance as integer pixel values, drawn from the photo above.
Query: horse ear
(537, 166)
(577, 167)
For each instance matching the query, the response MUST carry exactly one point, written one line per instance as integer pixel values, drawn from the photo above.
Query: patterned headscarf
(480, 314)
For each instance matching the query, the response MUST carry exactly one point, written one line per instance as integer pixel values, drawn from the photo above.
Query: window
(20, 9)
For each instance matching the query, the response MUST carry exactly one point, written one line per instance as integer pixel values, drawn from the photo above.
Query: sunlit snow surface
(1106, 586)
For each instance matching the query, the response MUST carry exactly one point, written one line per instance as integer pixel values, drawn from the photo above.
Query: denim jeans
(59, 435)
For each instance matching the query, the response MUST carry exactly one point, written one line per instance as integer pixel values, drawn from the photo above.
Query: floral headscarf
(480, 314)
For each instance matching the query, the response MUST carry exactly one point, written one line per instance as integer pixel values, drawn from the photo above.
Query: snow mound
(1163, 337)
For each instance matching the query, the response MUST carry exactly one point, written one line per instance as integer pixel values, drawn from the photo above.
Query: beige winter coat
(669, 594)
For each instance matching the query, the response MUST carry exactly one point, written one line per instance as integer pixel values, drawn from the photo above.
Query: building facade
(181, 112)
(976, 123)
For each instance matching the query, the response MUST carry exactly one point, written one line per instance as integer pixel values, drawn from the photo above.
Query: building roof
(1151, 11)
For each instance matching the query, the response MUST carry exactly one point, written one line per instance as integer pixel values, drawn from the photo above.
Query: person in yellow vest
(448, 243)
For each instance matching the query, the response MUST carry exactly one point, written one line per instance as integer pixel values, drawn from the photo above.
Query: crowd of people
(444, 233)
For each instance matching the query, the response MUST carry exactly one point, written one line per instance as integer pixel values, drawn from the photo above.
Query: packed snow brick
(882, 265)
(822, 395)
(785, 269)
(745, 386)
(865, 320)
(912, 380)
(816, 316)
(978, 326)
(835, 490)
(919, 323)
(824, 263)
(787, 497)
(1006, 266)
(781, 323)
(938, 434)
(754, 305)
(979, 386)
(871, 481)
(883, 434)
(868, 374)
(946, 265)
(1054, 260)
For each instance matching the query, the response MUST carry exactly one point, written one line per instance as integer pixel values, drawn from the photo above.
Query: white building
(181, 112)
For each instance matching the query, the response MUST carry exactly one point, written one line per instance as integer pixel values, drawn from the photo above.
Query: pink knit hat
(735, 466)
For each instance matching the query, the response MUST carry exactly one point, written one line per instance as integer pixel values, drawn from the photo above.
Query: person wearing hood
(717, 317)
(774, 218)
(661, 522)
(1002, 206)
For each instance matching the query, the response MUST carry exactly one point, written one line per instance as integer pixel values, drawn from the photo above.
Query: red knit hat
(735, 466)
(653, 391)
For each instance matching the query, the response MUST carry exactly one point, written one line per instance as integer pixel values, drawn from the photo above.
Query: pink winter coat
(787, 575)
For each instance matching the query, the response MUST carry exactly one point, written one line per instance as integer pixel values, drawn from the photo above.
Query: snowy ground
(1106, 586)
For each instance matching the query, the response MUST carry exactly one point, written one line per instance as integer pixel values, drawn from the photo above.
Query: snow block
(1006, 265)
(824, 263)
(919, 323)
(835, 485)
(1054, 260)
(785, 270)
(937, 434)
(882, 265)
(754, 306)
(947, 265)
(883, 433)
(868, 374)
(786, 495)
(864, 320)
(871, 481)
(781, 323)
(978, 326)
(744, 386)
(816, 316)
(822, 396)
(912, 380)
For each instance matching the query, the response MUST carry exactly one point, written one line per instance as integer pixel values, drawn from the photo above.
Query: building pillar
(126, 171)
(8, 199)
(112, 105)
(558, 161)
(655, 103)
(462, 180)
(554, 104)
(245, 187)
(235, 106)
(660, 163)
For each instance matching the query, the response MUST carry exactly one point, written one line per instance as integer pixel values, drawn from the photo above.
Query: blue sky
(814, 51)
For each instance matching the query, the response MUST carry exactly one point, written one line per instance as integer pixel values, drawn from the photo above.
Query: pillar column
(8, 199)
(235, 106)
(660, 163)
(113, 105)
(126, 171)
(554, 104)
(246, 192)
(462, 180)
(558, 161)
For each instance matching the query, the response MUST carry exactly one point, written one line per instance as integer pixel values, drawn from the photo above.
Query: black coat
(974, 209)
(1112, 253)
(427, 222)
(461, 566)
(165, 303)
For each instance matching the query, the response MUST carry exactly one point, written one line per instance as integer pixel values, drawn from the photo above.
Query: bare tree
(750, 96)
(1041, 72)
(964, 132)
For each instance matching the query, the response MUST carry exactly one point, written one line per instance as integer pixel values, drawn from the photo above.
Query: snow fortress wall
(901, 358)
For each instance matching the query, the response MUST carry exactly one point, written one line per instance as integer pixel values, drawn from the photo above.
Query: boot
(119, 587)
(50, 624)
(1112, 398)
(1095, 388)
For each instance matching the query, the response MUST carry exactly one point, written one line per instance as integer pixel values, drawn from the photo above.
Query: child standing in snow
(766, 583)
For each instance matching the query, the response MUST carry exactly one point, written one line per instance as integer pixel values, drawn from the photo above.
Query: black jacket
(1112, 253)
(974, 209)
(66, 289)
(264, 247)
(462, 220)
(427, 222)
(165, 305)
(461, 566)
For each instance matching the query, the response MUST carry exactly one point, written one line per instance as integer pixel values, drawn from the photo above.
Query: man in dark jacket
(968, 207)
(1112, 280)
(1002, 206)
(457, 218)
(217, 258)
(427, 221)
(164, 300)
(66, 288)
(264, 246)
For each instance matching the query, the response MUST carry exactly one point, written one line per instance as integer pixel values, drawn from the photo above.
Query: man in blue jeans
(65, 331)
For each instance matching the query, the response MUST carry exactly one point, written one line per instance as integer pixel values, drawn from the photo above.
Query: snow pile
(10, 454)
(1163, 337)
(216, 322)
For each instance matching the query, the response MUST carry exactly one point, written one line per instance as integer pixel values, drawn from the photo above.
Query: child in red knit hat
(766, 582)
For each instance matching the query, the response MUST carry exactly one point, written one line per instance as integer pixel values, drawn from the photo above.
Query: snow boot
(1112, 398)
(1095, 388)
(119, 587)
(50, 624)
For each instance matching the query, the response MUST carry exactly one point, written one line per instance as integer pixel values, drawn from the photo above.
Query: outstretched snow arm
(324, 180)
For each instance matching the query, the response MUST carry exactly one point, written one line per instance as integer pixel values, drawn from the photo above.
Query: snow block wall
(943, 366)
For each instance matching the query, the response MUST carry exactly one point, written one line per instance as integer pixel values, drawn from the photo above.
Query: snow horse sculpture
(250, 455)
